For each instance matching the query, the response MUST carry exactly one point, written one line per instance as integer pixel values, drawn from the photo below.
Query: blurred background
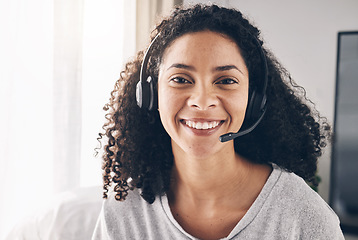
(59, 60)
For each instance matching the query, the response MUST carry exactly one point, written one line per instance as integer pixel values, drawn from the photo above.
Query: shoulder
(131, 207)
(293, 189)
(307, 211)
(130, 215)
(134, 218)
(117, 217)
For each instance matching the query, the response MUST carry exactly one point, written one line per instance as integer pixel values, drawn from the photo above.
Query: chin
(204, 149)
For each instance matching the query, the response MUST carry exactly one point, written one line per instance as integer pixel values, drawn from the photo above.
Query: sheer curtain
(26, 102)
(59, 60)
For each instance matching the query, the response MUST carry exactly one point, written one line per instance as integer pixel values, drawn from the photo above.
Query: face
(202, 92)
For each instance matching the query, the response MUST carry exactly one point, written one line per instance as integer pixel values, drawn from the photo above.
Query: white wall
(303, 36)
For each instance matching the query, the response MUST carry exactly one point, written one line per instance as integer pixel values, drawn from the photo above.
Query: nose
(203, 98)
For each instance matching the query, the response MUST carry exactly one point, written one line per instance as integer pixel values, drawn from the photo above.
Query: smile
(202, 125)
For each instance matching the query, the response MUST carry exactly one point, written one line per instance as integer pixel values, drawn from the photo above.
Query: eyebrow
(226, 68)
(182, 66)
(216, 69)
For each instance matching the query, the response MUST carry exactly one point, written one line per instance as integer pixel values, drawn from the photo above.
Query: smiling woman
(206, 74)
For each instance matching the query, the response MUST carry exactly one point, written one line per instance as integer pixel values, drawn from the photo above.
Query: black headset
(146, 91)
(147, 98)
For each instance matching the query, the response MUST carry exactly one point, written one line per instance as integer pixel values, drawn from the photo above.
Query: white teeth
(202, 125)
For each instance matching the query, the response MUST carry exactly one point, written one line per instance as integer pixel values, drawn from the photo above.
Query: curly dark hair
(137, 152)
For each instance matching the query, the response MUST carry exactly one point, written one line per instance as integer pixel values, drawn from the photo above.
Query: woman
(206, 77)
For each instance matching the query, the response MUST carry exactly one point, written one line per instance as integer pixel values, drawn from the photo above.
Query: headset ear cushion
(259, 105)
(145, 94)
(256, 107)
(151, 94)
(249, 109)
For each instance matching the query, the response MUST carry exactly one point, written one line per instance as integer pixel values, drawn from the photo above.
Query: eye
(180, 80)
(227, 81)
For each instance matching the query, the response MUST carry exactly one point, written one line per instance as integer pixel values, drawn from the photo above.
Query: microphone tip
(225, 137)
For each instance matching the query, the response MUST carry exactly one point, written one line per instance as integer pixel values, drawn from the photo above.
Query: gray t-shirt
(286, 208)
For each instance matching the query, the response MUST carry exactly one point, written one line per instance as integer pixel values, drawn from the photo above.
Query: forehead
(203, 47)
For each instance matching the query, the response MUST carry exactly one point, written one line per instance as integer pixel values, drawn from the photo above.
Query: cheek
(168, 106)
(164, 100)
(236, 107)
(243, 101)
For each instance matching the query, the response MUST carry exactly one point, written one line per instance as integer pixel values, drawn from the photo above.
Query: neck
(215, 179)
